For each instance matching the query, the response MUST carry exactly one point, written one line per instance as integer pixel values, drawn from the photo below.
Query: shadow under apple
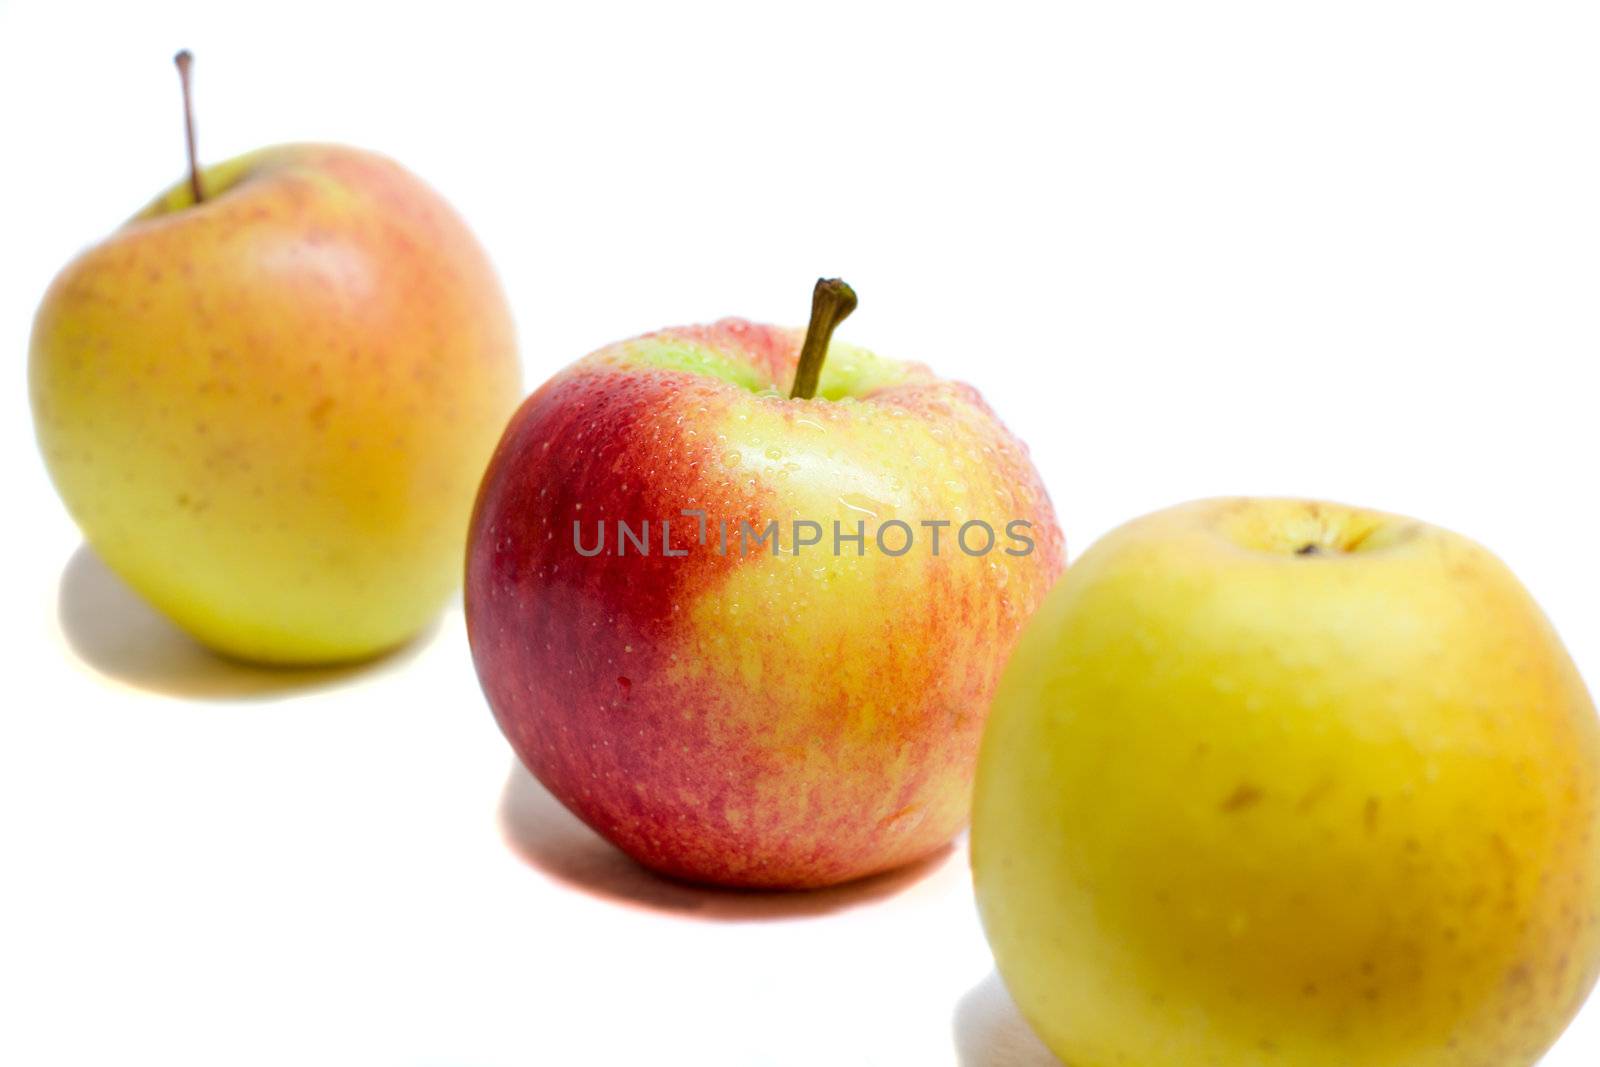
(552, 839)
(115, 632)
(991, 1032)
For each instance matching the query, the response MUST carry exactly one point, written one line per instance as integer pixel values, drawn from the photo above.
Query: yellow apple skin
(1238, 806)
(269, 412)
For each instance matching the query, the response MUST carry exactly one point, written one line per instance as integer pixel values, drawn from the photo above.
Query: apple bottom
(704, 759)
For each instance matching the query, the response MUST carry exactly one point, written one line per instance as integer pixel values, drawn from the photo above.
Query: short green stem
(831, 303)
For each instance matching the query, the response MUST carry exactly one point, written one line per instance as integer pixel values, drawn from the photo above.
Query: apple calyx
(832, 301)
(184, 61)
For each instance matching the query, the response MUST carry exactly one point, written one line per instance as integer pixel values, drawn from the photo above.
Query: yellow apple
(269, 410)
(1289, 783)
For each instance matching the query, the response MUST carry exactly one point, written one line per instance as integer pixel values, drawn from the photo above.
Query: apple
(1280, 782)
(267, 400)
(678, 644)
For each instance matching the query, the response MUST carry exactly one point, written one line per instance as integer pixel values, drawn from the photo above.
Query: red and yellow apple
(269, 410)
(729, 713)
(1278, 782)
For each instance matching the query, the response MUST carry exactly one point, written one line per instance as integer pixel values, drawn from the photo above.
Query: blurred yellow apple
(269, 410)
(1278, 782)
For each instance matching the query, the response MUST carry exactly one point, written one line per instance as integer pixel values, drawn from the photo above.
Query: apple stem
(184, 61)
(831, 303)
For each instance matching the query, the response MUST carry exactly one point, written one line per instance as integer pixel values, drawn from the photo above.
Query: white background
(1340, 250)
